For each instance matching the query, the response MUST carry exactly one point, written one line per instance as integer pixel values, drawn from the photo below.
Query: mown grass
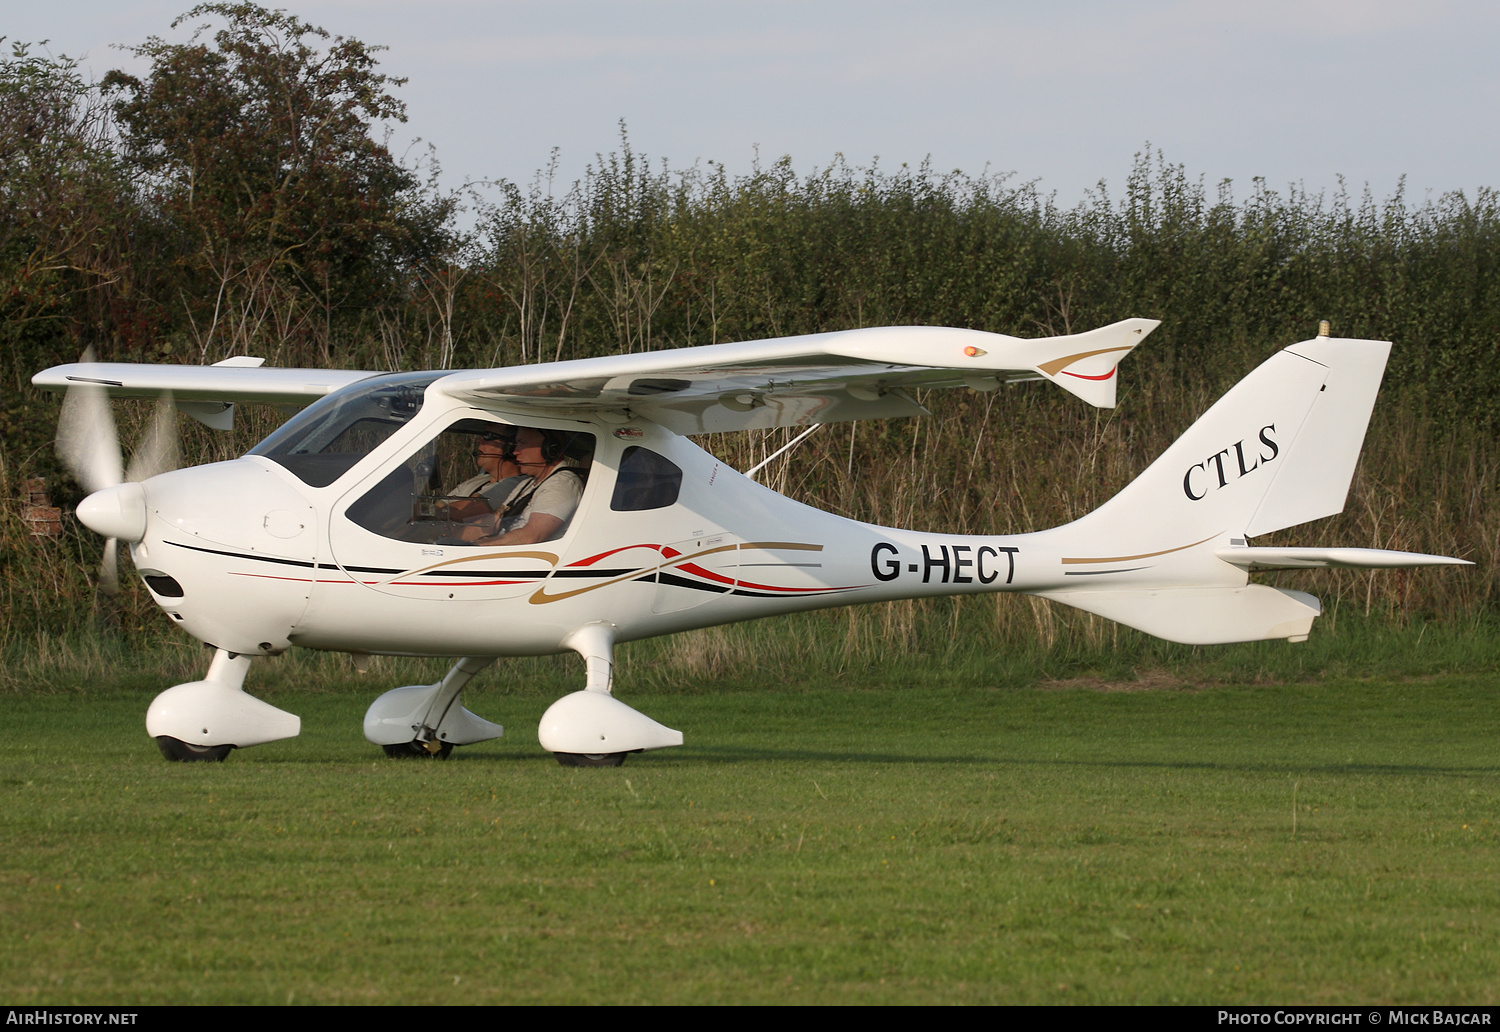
(942, 834)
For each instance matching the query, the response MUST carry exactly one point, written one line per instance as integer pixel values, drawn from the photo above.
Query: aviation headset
(555, 443)
(553, 446)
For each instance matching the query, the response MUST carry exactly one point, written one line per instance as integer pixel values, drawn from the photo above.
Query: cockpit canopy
(326, 439)
(435, 496)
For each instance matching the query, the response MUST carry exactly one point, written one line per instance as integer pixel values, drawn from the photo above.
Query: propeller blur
(89, 446)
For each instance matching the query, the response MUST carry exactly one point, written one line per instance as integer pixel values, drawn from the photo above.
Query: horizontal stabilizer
(1256, 558)
(1202, 616)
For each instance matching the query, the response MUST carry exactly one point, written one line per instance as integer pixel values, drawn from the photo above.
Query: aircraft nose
(117, 512)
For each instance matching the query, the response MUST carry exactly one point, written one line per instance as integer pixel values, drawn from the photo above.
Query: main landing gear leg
(426, 720)
(592, 728)
(204, 720)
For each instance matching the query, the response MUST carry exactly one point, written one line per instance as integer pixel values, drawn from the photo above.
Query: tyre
(572, 759)
(178, 751)
(415, 750)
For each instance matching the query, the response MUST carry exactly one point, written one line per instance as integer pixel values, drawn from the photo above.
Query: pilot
(481, 495)
(540, 506)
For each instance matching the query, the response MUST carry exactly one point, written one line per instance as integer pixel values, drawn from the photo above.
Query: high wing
(815, 378)
(206, 393)
(221, 383)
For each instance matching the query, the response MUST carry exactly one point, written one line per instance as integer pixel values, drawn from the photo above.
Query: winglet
(1085, 364)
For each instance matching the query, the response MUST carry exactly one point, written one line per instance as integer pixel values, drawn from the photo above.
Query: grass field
(938, 840)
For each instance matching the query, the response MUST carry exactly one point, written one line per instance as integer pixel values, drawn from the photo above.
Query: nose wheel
(178, 751)
(572, 759)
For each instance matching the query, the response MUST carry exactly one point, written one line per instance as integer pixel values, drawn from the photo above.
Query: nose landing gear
(613, 759)
(178, 751)
(201, 721)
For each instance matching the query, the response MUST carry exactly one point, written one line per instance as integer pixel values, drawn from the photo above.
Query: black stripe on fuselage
(662, 577)
(682, 582)
(593, 573)
(257, 558)
(359, 569)
(815, 593)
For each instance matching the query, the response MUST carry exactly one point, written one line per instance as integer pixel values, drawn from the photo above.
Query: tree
(65, 216)
(257, 154)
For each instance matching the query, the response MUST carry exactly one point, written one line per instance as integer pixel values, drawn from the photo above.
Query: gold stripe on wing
(1076, 560)
(1056, 366)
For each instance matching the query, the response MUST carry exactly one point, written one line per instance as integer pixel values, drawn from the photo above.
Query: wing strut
(763, 463)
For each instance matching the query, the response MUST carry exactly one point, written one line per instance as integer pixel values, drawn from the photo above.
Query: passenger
(481, 495)
(540, 506)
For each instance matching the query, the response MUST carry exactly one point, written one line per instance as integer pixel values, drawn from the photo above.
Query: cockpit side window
(479, 482)
(646, 481)
(326, 439)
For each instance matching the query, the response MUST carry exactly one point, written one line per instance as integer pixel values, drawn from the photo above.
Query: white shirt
(493, 492)
(556, 496)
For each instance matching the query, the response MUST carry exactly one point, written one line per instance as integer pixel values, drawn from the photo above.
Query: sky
(1064, 94)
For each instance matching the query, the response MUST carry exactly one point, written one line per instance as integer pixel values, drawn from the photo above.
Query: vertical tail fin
(1277, 450)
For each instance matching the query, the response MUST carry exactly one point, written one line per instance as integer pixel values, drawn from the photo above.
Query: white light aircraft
(346, 530)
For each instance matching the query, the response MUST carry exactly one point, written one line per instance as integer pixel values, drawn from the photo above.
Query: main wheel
(415, 750)
(178, 751)
(573, 759)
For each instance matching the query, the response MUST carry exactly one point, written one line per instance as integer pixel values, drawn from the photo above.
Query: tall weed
(638, 257)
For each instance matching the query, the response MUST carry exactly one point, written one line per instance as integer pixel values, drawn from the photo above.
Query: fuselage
(331, 551)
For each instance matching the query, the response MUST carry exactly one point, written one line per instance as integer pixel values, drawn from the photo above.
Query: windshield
(327, 438)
